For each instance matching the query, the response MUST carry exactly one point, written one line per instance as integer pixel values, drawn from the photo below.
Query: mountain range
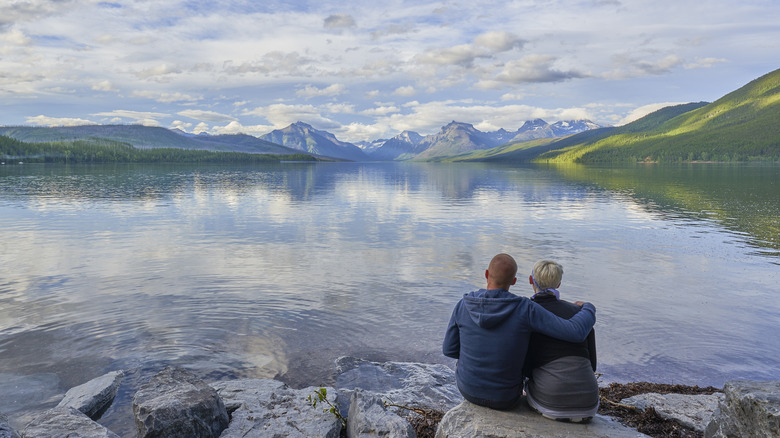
(300, 137)
(740, 126)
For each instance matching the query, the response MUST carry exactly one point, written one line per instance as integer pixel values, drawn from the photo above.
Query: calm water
(276, 271)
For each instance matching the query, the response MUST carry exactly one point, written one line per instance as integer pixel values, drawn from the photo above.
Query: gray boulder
(368, 417)
(177, 404)
(468, 420)
(94, 397)
(269, 408)
(65, 422)
(6, 431)
(692, 411)
(404, 383)
(748, 409)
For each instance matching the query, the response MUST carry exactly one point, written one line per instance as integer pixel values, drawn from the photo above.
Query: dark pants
(492, 404)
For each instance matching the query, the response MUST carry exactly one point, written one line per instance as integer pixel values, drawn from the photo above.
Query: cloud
(644, 110)
(159, 70)
(166, 97)
(178, 124)
(463, 55)
(142, 117)
(704, 63)
(632, 67)
(406, 91)
(529, 69)
(381, 110)
(336, 21)
(15, 37)
(499, 41)
(103, 86)
(42, 120)
(393, 29)
(310, 91)
(207, 116)
(281, 115)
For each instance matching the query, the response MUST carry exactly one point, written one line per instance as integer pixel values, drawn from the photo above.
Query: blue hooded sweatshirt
(489, 333)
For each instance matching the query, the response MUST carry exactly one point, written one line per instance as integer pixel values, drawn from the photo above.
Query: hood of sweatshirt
(489, 308)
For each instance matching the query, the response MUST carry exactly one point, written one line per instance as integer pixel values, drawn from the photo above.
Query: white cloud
(282, 115)
(42, 120)
(158, 70)
(15, 37)
(644, 110)
(165, 97)
(704, 63)
(178, 124)
(103, 86)
(207, 116)
(463, 55)
(499, 41)
(312, 91)
(406, 91)
(142, 117)
(381, 110)
(236, 127)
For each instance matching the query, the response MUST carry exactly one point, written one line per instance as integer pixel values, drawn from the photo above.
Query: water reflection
(277, 270)
(744, 198)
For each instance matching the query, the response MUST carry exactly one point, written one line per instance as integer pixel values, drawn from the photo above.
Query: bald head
(501, 272)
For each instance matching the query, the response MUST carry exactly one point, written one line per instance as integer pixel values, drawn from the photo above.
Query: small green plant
(321, 396)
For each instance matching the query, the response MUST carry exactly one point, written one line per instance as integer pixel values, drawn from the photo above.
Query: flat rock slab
(692, 411)
(94, 397)
(430, 386)
(468, 420)
(269, 408)
(65, 422)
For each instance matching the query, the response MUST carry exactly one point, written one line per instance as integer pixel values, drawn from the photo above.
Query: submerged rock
(65, 422)
(94, 397)
(430, 386)
(748, 409)
(6, 431)
(177, 404)
(468, 420)
(269, 408)
(368, 417)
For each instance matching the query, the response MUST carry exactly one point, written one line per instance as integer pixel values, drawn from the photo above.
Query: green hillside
(741, 126)
(108, 151)
(145, 137)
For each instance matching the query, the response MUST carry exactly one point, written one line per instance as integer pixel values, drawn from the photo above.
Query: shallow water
(275, 271)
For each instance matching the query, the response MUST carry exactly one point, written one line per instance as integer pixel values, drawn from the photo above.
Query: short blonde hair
(547, 274)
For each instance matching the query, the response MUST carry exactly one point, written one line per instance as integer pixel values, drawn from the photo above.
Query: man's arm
(575, 329)
(451, 345)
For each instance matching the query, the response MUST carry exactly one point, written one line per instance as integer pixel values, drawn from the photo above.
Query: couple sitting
(500, 339)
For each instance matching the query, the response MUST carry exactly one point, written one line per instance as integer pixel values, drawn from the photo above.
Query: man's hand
(579, 303)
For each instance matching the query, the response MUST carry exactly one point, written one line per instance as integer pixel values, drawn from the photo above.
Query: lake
(277, 270)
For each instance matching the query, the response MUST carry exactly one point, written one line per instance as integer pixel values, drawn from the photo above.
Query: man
(561, 385)
(489, 333)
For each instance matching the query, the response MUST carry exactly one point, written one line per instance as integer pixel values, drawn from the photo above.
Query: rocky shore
(391, 399)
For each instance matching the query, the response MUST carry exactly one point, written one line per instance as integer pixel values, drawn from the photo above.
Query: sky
(366, 70)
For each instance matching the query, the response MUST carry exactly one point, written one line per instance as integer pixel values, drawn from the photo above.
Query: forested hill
(740, 126)
(108, 151)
